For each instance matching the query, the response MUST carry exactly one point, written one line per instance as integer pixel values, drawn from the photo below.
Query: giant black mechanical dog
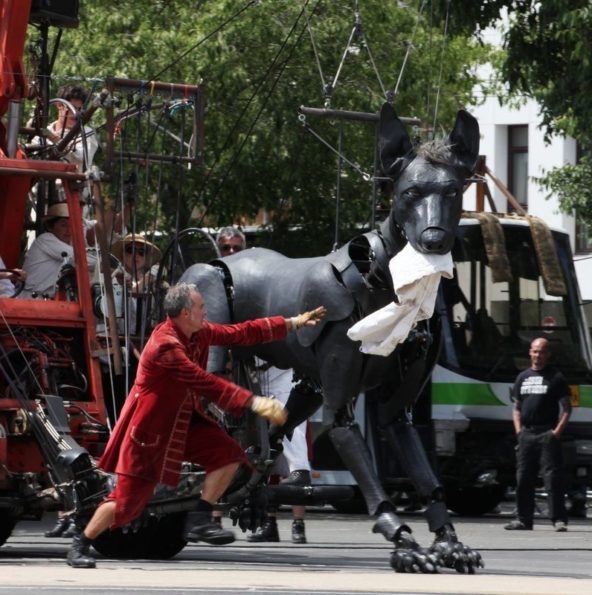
(350, 283)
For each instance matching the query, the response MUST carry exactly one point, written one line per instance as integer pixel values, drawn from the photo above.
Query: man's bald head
(539, 353)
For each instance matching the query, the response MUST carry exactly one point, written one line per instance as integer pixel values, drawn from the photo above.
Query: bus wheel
(474, 500)
(355, 505)
(156, 539)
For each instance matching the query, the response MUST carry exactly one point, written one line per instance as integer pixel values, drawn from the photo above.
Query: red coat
(149, 438)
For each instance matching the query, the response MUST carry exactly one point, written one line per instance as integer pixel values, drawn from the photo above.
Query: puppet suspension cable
(338, 186)
(263, 104)
(371, 58)
(179, 197)
(206, 37)
(365, 175)
(316, 54)
(356, 34)
(439, 87)
(232, 132)
(374, 180)
(409, 46)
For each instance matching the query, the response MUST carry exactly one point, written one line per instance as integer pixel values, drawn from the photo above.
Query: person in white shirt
(82, 148)
(8, 277)
(49, 252)
(294, 461)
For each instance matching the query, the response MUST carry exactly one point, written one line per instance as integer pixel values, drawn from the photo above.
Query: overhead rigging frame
(193, 93)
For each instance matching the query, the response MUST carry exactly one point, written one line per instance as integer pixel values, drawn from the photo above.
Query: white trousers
(279, 383)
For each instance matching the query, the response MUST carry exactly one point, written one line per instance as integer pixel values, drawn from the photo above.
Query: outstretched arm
(310, 318)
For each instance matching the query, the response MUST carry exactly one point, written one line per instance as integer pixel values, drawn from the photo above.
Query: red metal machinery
(53, 419)
(51, 398)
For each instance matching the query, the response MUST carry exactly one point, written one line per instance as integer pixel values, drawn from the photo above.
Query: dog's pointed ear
(396, 149)
(464, 140)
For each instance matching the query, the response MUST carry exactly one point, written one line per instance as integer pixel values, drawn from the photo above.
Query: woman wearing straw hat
(48, 253)
(137, 255)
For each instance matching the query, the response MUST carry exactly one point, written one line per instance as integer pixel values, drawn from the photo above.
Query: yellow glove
(270, 409)
(309, 318)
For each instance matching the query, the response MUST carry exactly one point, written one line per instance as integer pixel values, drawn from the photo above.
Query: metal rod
(157, 157)
(348, 115)
(80, 122)
(103, 246)
(40, 173)
(123, 83)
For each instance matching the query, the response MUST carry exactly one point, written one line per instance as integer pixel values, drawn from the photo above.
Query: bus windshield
(487, 327)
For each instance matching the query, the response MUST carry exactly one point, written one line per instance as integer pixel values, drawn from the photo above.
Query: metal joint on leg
(390, 526)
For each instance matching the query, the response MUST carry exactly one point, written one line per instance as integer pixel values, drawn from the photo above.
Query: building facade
(512, 141)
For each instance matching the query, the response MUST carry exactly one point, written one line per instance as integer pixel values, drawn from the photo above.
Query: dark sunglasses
(230, 248)
(131, 250)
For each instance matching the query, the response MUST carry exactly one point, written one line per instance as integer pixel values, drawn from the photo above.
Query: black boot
(299, 477)
(79, 554)
(298, 535)
(200, 527)
(71, 529)
(267, 532)
(58, 529)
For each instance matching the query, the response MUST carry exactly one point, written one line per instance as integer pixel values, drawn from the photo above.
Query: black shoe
(518, 526)
(267, 532)
(71, 529)
(299, 477)
(298, 535)
(62, 524)
(79, 554)
(200, 527)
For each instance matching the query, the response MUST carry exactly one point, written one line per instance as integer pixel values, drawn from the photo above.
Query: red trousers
(208, 445)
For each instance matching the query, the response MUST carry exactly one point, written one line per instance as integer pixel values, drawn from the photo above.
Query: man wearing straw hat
(49, 252)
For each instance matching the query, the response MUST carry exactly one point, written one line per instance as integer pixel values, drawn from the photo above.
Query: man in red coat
(162, 422)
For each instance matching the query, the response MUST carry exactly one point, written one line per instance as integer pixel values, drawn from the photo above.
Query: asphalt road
(342, 556)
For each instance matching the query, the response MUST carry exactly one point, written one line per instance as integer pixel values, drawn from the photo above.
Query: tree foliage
(258, 68)
(549, 59)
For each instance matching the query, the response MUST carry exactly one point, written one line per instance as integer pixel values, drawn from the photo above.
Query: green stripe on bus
(586, 396)
(461, 393)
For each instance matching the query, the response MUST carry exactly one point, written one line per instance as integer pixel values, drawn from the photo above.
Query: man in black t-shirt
(538, 394)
